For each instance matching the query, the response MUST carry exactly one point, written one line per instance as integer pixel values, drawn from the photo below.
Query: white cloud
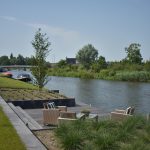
(66, 38)
(64, 34)
(57, 31)
(8, 18)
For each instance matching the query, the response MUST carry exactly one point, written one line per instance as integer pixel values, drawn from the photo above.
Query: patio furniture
(51, 113)
(129, 110)
(119, 114)
(93, 117)
(67, 117)
(51, 105)
(50, 116)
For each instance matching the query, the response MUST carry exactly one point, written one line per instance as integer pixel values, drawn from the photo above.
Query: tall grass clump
(72, 135)
(141, 76)
(106, 134)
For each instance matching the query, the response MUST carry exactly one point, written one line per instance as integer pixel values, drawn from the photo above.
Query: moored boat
(7, 74)
(24, 77)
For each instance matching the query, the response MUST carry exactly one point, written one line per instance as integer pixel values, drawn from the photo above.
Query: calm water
(105, 95)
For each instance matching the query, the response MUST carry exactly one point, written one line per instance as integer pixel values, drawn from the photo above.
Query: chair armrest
(65, 120)
(62, 108)
(80, 116)
(67, 114)
(119, 116)
(120, 110)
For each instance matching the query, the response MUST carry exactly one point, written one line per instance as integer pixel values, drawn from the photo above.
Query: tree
(11, 56)
(41, 45)
(62, 63)
(4, 60)
(147, 65)
(87, 55)
(20, 60)
(133, 53)
(102, 62)
(99, 64)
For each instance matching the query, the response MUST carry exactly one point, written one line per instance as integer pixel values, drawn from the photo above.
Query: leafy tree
(133, 53)
(147, 65)
(62, 63)
(13, 60)
(102, 62)
(4, 60)
(99, 64)
(20, 60)
(87, 55)
(28, 61)
(11, 56)
(41, 45)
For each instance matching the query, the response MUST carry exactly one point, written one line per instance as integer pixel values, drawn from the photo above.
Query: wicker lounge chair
(66, 117)
(50, 115)
(51, 105)
(119, 114)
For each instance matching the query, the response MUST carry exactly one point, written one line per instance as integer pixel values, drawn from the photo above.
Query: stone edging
(30, 141)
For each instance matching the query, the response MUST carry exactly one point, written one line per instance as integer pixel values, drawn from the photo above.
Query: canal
(105, 95)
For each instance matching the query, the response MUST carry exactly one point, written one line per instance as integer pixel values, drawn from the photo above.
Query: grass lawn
(9, 139)
(15, 84)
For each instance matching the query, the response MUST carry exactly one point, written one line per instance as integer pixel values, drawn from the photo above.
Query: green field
(9, 139)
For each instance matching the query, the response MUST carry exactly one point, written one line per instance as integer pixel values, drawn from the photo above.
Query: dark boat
(1, 70)
(24, 77)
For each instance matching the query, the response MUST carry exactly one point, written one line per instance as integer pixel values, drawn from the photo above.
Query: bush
(147, 66)
(104, 73)
(112, 73)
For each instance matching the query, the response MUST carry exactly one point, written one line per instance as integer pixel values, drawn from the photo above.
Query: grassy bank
(9, 139)
(107, 74)
(11, 89)
(130, 134)
(28, 94)
(15, 84)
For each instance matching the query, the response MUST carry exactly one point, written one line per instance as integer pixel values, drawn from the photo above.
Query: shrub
(104, 73)
(112, 73)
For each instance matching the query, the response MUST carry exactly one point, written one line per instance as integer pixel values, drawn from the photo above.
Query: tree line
(92, 65)
(89, 59)
(12, 60)
(19, 60)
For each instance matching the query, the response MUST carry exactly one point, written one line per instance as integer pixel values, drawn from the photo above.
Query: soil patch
(26, 94)
(49, 139)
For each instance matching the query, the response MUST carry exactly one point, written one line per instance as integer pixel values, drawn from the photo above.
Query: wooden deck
(37, 115)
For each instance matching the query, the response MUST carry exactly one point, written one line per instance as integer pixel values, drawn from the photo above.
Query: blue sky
(109, 25)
